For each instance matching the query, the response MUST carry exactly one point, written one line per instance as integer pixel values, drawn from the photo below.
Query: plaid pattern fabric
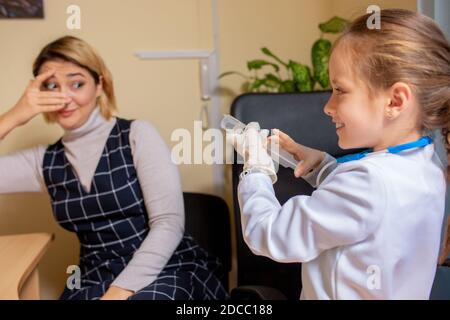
(189, 275)
(111, 222)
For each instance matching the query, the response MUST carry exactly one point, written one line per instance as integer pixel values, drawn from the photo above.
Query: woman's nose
(63, 90)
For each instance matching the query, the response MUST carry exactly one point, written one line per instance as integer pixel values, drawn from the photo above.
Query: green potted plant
(300, 78)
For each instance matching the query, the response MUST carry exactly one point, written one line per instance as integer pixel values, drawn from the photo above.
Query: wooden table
(20, 256)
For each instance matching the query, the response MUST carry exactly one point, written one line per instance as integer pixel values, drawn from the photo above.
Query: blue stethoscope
(422, 142)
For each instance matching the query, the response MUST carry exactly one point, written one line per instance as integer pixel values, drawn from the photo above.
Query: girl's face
(78, 83)
(358, 117)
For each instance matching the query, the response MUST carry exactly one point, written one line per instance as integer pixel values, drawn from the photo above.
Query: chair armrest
(256, 293)
(18, 267)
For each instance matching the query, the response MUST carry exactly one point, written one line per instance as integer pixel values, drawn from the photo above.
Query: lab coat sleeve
(345, 209)
(319, 173)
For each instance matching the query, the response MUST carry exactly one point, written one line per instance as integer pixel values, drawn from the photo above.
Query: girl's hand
(34, 101)
(116, 293)
(311, 157)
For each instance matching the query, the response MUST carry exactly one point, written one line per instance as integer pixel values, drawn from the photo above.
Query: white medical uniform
(371, 230)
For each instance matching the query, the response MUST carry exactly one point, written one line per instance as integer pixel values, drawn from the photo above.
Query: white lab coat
(371, 230)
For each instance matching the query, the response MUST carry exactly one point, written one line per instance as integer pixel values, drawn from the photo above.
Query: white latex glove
(236, 139)
(251, 144)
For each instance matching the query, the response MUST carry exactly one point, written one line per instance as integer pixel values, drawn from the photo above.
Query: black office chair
(441, 285)
(302, 117)
(208, 222)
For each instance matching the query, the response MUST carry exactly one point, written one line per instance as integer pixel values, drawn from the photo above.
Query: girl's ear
(400, 97)
(99, 90)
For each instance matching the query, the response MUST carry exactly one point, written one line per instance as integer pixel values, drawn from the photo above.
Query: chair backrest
(301, 116)
(208, 221)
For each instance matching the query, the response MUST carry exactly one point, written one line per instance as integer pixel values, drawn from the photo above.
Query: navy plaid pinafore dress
(111, 222)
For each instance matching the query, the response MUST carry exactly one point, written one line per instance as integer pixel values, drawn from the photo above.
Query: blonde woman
(110, 180)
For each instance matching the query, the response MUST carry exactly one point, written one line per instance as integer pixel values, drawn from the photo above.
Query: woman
(110, 180)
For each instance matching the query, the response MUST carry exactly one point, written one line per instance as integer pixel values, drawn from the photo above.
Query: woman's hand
(310, 158)
(116, 293)
(34, 101)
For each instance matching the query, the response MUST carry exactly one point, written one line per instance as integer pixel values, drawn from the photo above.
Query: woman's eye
(50, 86)
(77, 85)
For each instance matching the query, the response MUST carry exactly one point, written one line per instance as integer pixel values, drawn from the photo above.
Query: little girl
(372, 228)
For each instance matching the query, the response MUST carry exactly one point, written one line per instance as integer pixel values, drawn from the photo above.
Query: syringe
(278, 154)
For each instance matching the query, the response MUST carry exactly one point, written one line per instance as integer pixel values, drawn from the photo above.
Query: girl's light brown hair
(409, 47)
(80, 53)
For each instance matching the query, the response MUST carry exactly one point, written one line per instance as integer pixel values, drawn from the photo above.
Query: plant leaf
(302, 76)
(269, 53)
(320, 55)
(287, 86)
(334, 25)
(228, 73)
(272, 81)
(258, 64)
(256, 85)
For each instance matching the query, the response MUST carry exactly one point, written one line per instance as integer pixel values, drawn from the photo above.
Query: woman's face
(79, 84)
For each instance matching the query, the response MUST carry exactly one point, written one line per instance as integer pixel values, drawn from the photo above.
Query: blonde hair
(80, 53)
(409, 47)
